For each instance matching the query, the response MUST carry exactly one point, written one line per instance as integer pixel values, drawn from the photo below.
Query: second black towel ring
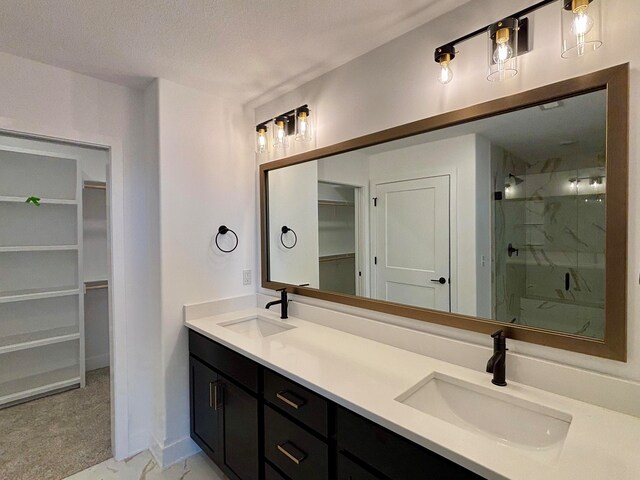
(223, 230)
(286, 230)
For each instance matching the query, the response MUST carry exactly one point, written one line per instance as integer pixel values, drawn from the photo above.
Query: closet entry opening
(339, 237)
(55, 382)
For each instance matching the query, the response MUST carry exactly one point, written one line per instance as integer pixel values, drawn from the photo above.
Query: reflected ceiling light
(443, 56)
(580, 27)
(503, 50)
(261, 139)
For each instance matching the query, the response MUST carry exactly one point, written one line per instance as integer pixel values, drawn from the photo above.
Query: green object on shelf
(34, 200)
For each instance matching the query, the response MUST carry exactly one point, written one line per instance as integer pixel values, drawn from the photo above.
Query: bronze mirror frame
(616, 82)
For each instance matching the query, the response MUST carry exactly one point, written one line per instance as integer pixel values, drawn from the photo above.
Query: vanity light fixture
(284, 125)
(580, 27)
(509, 38)
(261, 139)
(280, 132)
(443, 56)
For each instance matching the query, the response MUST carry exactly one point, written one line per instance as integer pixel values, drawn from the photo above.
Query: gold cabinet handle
(290, 399)
(292, 456)
(213, 396)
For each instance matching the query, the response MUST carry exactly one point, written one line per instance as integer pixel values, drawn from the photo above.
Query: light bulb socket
(446, 53)
(302, 110)
(261, 128)
(281, 120)
(576, 5)
(510, 24)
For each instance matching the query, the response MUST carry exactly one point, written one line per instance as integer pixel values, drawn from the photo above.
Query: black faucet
(497, 363)
(283, 302)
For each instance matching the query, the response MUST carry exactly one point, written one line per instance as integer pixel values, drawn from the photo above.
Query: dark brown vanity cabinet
(387, 453)
(224, 418)
(257, 424)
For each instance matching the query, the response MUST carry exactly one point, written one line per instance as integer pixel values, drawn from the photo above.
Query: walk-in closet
(54, 307)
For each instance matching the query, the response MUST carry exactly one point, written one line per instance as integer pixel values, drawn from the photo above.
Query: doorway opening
(55, 352)
(339, 237)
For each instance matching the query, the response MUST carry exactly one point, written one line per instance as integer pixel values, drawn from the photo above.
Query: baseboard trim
(97, 361)
(175, 452)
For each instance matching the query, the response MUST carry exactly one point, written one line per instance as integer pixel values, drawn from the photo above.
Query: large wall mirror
(511, 213)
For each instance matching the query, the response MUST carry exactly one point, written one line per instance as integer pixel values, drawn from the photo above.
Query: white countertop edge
(518, 466)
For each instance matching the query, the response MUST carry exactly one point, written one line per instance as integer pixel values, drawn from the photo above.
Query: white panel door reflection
(411, 242)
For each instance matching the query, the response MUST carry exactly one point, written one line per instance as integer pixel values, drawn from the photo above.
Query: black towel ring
(223, 230)
(286, 229)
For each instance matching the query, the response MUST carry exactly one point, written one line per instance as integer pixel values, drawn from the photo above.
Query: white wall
(207, 179)
(293, 201)
(396, 84)
(41, 98)
(484, 227)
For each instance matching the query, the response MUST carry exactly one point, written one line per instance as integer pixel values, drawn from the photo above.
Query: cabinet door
(348, 470)
(204, 390)
(238, 432)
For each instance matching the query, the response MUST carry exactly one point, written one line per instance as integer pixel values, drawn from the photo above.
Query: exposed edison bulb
(280, 133)
(261, 139)
(303, 128)
(503, 52)
(582, 24)
(446, 74)
(303, 124)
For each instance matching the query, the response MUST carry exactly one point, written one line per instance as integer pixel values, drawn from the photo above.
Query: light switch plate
(246, 277)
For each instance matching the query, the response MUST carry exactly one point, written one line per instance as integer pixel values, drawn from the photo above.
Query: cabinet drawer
(391, 454)
(348, 470)
(299, 454)
(297, 401)
(271, 473)
(226, 361)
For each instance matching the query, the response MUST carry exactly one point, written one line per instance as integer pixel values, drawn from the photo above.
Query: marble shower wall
(554, 214)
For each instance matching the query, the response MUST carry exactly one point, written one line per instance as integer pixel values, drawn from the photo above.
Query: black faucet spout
(491, 364)
(497, 362)
(283, 302)
(271, 304)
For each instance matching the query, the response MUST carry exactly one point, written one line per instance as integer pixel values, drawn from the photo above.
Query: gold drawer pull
(213, 396)
(292, 456)
(290, 399)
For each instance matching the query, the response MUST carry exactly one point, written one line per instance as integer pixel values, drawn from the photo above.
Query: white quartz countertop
(367, 376)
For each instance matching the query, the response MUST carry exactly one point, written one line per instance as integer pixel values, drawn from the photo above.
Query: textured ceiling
(235, 48)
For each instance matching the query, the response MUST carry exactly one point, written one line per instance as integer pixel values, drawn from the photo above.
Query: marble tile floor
(143, 467)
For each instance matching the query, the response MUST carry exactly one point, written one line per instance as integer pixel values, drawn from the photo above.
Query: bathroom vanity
(291, 399)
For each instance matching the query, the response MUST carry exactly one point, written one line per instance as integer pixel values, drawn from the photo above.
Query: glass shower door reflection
(550, 250)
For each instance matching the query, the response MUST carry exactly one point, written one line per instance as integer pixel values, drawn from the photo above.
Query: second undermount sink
(537, 430)
(256, 326)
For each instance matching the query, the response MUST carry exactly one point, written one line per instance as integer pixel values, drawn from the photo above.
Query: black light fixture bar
(288, 114)
(518, 15)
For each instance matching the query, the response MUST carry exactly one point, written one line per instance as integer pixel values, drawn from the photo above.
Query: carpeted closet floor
(53, 437)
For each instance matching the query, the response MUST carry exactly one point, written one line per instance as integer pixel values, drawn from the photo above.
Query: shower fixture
(518, 180)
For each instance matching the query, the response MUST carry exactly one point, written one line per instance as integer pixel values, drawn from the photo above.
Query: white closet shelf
(38, 248)
(56, 201)
(37, 293)
(23, 341)
(26, 387)
(336, 203)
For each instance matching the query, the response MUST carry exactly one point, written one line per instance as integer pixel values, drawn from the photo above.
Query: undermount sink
(536, 429)
(256, 326)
